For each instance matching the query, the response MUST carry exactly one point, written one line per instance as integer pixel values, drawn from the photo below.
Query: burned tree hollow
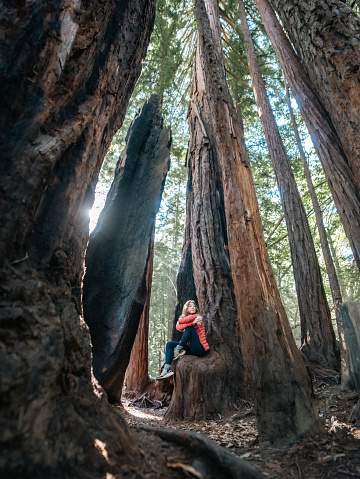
(119, 248)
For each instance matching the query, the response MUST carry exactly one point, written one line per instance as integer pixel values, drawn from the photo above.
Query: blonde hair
(185, 308)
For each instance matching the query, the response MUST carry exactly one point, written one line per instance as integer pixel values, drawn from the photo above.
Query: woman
(193, 341)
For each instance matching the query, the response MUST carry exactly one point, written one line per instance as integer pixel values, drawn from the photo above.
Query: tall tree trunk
(317, 335)
(278, 379)
(326, 139)
(137, 373)
(67, 75)
(119, 247)
(326, 35)
(213, 384)
(329, 263)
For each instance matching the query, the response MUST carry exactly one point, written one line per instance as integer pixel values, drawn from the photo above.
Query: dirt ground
(335, 454)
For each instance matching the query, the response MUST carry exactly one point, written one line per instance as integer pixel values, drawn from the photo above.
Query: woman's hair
(185, 308)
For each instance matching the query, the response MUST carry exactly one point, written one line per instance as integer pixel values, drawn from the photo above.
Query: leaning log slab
(119, 247)
(350, 313)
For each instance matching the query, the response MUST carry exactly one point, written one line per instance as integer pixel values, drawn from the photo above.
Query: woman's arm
(186, 321)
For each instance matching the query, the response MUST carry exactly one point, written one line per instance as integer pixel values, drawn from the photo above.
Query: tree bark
(213, 384)
(278, 379)
(327, 139)
(67, 75)
(329, 263)
(317, 335)
(351, 315)
(137, 373)
(326, 35)
(119, 247)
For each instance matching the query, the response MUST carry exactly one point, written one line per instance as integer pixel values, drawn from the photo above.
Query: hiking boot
(165, 374)
(178, 353)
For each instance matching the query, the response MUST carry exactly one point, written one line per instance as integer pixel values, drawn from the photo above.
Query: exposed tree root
(145, 401)
(208, 459)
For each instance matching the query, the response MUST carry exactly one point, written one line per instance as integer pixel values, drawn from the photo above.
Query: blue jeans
(190, 336)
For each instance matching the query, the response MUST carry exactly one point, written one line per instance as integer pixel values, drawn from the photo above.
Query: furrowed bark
(67, 75)
(119, 247)
(213, 384)
(317, 335)
(326, 35)
(325, 85)
(278, 379)
(329, 263)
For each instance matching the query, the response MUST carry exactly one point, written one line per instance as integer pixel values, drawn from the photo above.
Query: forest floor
(335, 454)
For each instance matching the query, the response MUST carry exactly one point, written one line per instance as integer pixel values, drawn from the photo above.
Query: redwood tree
(317, 335)
(325, 85)
(278, 379)
(213, 384)
(137, 373)
(68, 72)
(329, 263)
(326, 35)
(67, 75)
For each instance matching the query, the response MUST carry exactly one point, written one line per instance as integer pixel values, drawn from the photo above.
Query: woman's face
(192, 308)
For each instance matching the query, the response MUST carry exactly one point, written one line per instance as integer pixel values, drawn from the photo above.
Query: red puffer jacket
(187, 321)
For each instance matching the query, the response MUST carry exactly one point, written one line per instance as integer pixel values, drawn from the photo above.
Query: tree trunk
(213, 384)
(119, 247)
(137, 373)
(326, 139)
(351, 315)
(329, 263)
(67, 75)
(279, 383)
(317, 335)
(326, 35)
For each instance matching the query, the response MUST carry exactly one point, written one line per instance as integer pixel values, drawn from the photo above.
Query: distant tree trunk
(326, 35)
(329, 263)
(278, 379)
(119, 247)
(137, 373)
(326, 139)
(317, 335)
(67, 75)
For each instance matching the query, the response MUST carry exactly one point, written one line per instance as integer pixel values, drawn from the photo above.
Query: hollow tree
(67, 75)
(278, 379)
(317, 335)
(119, 247)
(326, 139)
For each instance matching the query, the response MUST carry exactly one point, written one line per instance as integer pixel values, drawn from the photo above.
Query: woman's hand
(198, 320)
